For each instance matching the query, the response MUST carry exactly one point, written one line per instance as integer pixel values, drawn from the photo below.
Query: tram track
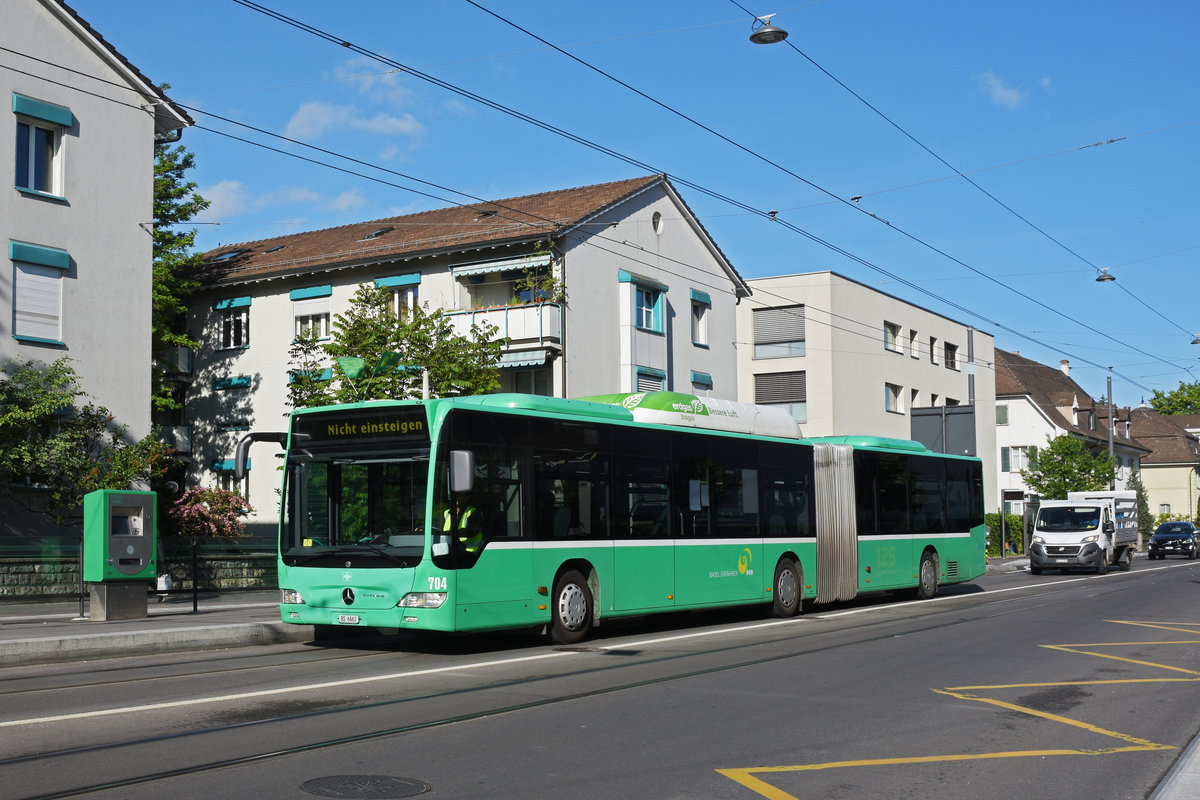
(54, 759)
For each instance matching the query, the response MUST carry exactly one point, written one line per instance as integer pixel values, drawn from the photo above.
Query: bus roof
(878, 442)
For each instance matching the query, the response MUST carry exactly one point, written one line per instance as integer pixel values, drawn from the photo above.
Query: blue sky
(1081, 121)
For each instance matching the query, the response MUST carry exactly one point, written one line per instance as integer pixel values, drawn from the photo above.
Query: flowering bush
(212, 513)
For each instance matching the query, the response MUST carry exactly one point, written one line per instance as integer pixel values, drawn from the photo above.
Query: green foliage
(1065, 465)
(211, 513)
(540, 286)
(54, 450)
(1145, 521)
(1161, 518)
(1183, 400)
(175, 203)
(378, 355)
(1014, 531)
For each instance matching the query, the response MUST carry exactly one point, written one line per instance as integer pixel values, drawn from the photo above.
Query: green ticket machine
(120, 545)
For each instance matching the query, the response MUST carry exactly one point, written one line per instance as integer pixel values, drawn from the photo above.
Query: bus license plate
(347, 619)
(1056, 561)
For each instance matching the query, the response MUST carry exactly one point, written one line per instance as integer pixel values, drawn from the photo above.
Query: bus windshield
(369, 510)
(355, 488)
(1068, 518)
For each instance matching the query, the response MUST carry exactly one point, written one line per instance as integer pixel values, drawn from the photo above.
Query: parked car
(1175, 539)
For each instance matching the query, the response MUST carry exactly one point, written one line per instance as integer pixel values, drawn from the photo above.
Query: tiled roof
(1052, 390)
(1166, 437)
(519, 219)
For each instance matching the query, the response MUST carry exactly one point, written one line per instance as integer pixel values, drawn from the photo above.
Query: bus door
(643, 548)
(492, 555)
(719, 554)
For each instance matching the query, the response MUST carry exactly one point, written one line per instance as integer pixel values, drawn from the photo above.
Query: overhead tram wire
(961, 174)
(823, 190)
(678, 179)
(588, 240)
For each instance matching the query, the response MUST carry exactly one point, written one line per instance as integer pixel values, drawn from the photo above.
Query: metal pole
(195, 580)
(81, 588)
(1112, 482)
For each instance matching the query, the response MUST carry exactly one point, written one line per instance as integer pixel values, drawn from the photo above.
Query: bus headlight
(290, 597)
(1037, 540)
(422, 600)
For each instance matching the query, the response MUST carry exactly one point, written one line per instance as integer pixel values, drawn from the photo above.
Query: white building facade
(848, 359)
(650, 304)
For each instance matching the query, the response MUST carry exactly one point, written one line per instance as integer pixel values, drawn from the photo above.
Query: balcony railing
(541, 323)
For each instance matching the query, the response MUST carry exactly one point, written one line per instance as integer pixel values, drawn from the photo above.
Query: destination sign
(362, 426)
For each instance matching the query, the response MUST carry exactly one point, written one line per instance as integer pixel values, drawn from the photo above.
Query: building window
(37, 303)
(779, 332)
(404, 300)
(310, 309)
(1001, 415)
(1014, 459)
(891, 337)
(1164, 508)
(647, 313)
(951, 351)
(650, 380)
(913, 346)
(701, 305)
(40, 128)
(312, 323)
(533, 381)
(787, 389)
(702, 382)
(893, 398)
(235, 327)
(37, 291)
(933, 351)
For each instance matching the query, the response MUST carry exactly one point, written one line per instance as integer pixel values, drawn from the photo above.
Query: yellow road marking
(746, 776)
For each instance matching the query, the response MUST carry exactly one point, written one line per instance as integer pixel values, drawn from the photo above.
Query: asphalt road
(1076, 686)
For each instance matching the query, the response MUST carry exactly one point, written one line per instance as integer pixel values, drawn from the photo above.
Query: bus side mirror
(1109, 527)
(462, 470)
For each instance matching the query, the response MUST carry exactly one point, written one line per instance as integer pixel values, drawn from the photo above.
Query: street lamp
(1104, 276)
(763, 32)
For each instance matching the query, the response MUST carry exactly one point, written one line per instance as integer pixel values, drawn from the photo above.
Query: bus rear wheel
(927, 576)
(572, 613)
(788, 595)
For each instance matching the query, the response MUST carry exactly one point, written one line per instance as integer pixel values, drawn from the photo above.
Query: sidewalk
(45, 631)
(998, 566)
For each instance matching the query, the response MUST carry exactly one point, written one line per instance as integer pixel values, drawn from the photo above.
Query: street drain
(364, 787)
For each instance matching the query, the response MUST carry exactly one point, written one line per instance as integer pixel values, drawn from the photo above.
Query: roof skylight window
(377, 233)
(227, 256)
(276, 248)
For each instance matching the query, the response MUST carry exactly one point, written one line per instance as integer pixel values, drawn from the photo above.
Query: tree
(175, 203)
(1145, 522)
(1065, 465)
(54, 451)
(378, 354)
(1183, 400)
(204, 512)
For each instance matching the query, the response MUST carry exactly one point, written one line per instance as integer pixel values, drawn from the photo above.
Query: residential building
(1171, 470)
(1036, 403)
(650, 304)
(845, 358)
(76, 223)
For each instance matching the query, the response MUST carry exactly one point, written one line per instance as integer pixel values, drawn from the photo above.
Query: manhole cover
(364, 787)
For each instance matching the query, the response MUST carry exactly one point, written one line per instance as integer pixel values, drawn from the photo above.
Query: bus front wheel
(927, 576)
(572, 617)
(788, 592)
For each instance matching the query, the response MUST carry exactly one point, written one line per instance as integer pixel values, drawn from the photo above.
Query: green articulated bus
(509, 511)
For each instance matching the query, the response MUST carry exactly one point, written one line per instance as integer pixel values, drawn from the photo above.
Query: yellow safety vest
(472, 541)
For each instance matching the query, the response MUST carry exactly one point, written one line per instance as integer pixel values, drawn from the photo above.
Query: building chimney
(1065, 366)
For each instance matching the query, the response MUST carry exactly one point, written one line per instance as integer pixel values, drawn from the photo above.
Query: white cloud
(314, 119)
(287, 196)
(348, 200)
(1001, 93)
(225, 199)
